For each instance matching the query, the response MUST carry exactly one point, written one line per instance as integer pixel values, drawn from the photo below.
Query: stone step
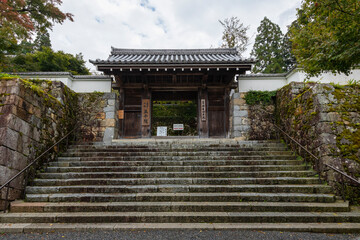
(180, 197)
(21, 206)
(174, 163)
(172, 149)
(170, 169)
(176, 158)
(175, 188)
(178, 143)
(176, 153)
(149, 181)
(109, 175)
(181, 217)
(328, 228)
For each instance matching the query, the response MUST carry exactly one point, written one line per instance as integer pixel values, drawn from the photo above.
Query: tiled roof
(174, 56)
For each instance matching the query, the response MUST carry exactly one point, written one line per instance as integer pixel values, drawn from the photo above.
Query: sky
(100, 24)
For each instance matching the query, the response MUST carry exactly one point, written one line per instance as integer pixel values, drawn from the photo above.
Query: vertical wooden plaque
(203, 110)
(145, 112)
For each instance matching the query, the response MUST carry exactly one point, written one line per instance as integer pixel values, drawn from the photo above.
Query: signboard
(161, 131)
(121, 114)
(178, 127)
(203, 110)
(145, 112)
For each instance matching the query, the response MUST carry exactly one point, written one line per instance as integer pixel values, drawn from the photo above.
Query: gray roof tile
(173, 56)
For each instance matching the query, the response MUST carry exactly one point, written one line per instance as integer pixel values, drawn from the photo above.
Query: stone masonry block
(108, 123)
(12, 159)
(109, 109)
(242, 128)
(111, 102)
(239, 101)
(236, 95)
(109, 135)
(109, 96)
(237, 121)
(330, 117)
(110, 115)
(10, 138)
(241, 113)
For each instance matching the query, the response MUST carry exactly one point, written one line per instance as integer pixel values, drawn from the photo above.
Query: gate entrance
(175, 110)
(162, 87)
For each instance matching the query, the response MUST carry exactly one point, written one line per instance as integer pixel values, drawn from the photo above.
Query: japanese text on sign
(203, 110)
(145, 112)
(178, 127)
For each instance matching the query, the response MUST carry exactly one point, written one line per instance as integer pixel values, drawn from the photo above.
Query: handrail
(7, 184)
(311, 154)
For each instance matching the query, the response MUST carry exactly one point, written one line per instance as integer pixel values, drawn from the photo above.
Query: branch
(342, 10)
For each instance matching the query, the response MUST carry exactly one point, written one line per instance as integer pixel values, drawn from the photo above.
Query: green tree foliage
(288, 57)
(326, 36)
(268, 48)
(42, 40)
(48, 61)
(20, 19)
(166, 113)
(234, 34)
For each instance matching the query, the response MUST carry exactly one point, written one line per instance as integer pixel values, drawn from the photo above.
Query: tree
(47, 60)
(20, 19)
(288, 57)
(234, 34)
(268, 48)
(326, 36)
(42, 40)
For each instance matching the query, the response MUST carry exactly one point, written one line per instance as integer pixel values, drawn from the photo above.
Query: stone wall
(251, 122)
(239, 117)
(97, 113)
(33, 115)
(261, 119)
(326, 120)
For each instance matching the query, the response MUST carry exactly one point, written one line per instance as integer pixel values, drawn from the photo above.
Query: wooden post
(146, 113)
(121, 112)
(203, 118)
(227, 111)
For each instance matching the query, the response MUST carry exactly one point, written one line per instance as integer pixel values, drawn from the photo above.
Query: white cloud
(100, 24)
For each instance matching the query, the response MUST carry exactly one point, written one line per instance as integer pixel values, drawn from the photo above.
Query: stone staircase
(210, 184)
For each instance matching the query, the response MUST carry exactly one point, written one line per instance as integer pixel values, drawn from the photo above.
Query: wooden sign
(145, 112)
(121, 114)
(203, 110)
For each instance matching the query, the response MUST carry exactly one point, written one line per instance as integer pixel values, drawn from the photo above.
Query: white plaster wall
(299, 76)
(64, 79)
(91, 85)
(261, 83)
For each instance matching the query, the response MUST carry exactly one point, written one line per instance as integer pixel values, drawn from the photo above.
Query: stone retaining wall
(239, 117)
(97, 113)
(33, 115)
(326, 120)
(251, 122)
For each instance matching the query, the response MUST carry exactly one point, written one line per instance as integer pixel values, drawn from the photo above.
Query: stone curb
(296, 227)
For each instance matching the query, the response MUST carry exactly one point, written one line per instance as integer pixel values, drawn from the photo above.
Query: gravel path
(181, 235)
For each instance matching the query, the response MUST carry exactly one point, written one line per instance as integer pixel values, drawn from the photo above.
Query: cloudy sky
(100, 24)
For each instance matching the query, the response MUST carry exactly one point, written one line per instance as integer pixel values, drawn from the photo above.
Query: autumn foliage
(21, 19)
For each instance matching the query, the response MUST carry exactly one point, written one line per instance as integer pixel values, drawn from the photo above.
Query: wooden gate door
(132, 113)
(216, 113)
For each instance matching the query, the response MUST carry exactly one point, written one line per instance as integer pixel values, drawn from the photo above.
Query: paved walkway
(181, 235)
